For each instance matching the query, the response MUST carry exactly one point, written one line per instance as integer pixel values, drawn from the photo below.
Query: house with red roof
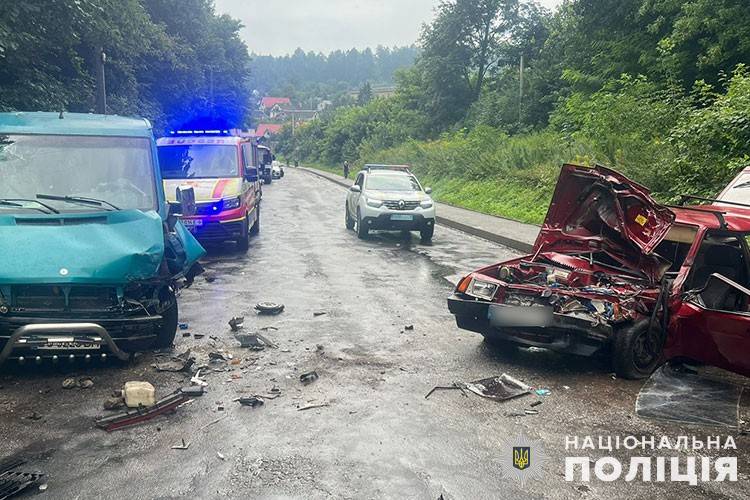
(267, 129)
(272, 107)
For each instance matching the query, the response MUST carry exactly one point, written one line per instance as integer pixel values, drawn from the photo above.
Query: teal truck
(91, 253)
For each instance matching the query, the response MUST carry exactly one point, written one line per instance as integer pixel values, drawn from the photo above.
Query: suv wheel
(637, 350)
(362, 230)
(427, 232)
(348, 218)
(168, 330)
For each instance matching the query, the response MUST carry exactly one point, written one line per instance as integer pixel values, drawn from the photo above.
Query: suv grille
(62, 298)
(397, 205)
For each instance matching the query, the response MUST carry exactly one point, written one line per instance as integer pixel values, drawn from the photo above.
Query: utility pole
(520, 93)
(101, 84)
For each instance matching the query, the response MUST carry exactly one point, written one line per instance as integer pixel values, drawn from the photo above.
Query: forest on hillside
(305, 76)
(655, 88)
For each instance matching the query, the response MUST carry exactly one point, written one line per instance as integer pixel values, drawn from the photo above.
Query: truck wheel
(427, 232)
(255, 230)
(362, 230)
(165, 335)
(348, 218)
(636, 351)
(244, 242)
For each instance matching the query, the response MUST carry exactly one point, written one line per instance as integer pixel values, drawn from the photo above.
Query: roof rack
(378, 166)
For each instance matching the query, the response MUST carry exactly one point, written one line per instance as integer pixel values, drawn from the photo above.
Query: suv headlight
(426, 203)
(372, 202)
(230, 203)
(482, 289)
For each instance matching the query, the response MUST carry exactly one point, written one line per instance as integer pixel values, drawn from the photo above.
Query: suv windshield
(198, 161)
(392, 183)
(117, 170)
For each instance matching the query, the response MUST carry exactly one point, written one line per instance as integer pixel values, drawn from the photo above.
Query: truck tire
(165, 335)
(636, 351)
(255, 230)
(348, 218)
(362, 230)
(243, 243)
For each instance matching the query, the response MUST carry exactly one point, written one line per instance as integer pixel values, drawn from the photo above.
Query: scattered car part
(13, 482)
(236, 323)
(310, 407)
(536, 403)
(182, 446)
(499, 388)
(309, 377)
(140, 415)
(456, 385)
(270, 308)
(252, 401)
(138, 394)
(677, 395)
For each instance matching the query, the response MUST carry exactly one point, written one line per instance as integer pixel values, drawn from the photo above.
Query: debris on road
(456, 385)
(143, 414)
(198, 336)
(114, 402)
(499, 388)
(220, 455)
(256, 341)
(210, 278)
(252, 401)
(183, 326)
(82, 383)
(531, 412)
(271, 308)
(137, 394)
(180, 363)
(542, 392)
(12, 481)
(309, 377)
(197, 380)
(310, 407)
(679, 395)
(409, 328)
(236, 323)
(319, 313)
(216, 356)
(536, 403)
(182, 446)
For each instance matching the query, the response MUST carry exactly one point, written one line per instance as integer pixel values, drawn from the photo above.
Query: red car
(613, 271)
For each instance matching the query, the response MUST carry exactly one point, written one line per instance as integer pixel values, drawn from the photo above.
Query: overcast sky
(278, 27)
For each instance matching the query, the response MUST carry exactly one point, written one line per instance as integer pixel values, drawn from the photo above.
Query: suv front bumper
(406, 220)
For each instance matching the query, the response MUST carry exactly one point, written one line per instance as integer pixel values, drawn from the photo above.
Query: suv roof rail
(378, 166)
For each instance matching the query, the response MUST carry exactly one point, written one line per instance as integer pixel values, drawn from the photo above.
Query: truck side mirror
(185, 196)
(428, 190)
(251, 174)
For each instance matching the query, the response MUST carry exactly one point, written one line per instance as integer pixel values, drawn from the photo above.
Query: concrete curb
(517, 243)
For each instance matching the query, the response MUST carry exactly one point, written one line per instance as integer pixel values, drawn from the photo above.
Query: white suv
(389, 197)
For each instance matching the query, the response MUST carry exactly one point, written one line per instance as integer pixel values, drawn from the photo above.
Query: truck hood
(205, 189)
(595, 209)
(95, 248)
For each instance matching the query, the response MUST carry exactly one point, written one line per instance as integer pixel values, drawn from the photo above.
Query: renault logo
(401, 204)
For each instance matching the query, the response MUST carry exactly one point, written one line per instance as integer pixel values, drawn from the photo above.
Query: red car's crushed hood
(598, 209)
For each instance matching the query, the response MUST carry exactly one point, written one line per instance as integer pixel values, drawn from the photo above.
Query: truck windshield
(117, 170)
(198, 161)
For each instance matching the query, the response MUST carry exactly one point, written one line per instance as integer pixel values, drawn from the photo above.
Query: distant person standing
(346, 169)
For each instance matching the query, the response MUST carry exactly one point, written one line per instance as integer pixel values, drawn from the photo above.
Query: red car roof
(737, 218)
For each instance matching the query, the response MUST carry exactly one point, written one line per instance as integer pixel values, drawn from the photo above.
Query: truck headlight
(482, 289)
(372, 202)
(230, 203)
(425, 203)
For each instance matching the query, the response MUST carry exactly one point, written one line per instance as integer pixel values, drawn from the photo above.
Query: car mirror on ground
(355, 189)
(428, 190)
(185, 196)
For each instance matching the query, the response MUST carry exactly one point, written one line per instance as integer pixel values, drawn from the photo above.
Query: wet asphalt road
(378, 437)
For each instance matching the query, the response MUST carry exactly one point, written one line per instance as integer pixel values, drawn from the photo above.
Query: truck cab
(91, 255)
(226, 183)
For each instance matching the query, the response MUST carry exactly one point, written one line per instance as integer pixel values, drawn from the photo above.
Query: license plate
(192, 223)
(57, 343)
(402, 217)
(519, 316)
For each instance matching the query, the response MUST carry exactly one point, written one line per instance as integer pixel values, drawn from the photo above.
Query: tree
(365, 94)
